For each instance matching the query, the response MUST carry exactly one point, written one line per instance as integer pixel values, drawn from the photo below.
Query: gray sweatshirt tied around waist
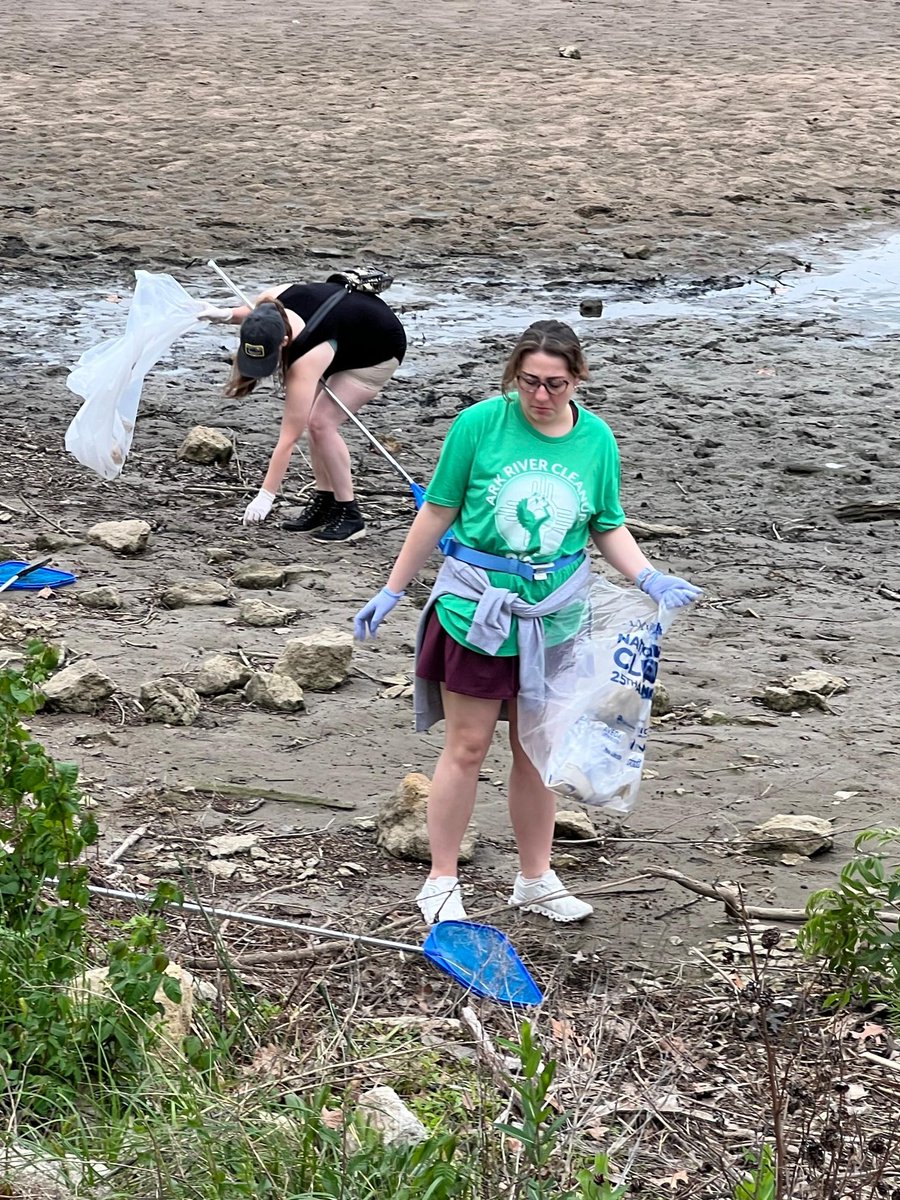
(496, 607)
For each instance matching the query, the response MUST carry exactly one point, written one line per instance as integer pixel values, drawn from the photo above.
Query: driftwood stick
(489, 1053)
(729, 896)
(734, 903)
(267, 958)
(43, 516)
(647, 529)
(134, 836)
(890, 1063)
(240, 791)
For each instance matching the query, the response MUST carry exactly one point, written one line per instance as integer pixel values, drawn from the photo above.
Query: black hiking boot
(318, 512)
(346, 524)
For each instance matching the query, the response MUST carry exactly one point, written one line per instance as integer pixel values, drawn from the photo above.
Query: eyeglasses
(555, 386)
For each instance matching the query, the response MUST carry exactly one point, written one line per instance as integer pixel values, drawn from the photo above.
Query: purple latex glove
(667, 590)
(369, 617)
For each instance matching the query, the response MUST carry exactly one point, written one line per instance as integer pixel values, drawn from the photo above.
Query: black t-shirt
(365, 330)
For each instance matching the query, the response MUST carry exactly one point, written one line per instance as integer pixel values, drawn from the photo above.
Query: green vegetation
(93, 1078)
(854, 926)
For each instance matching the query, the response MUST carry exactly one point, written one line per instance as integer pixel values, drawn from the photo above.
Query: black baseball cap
(262, 333)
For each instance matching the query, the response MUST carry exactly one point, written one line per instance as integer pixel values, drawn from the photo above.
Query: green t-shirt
(522, 494)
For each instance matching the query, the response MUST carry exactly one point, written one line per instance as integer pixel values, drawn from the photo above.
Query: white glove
(259, 508)
(213, 313)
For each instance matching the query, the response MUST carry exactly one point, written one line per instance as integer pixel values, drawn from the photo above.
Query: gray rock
(569, 52)
(195, 592)
(319, 661)
(809, 689)
(221, 673)
(779, 699)
(645, 530)
(591, 306)
(31, 1172)
(819, 683)
(712, 716)
(661, 705)
(259, 575)
(78, 688)
(793, 834)
(383, 1110)
(170, 702)
(638, 252)
(12, 660)
(400, 823)
(276, 693)
(104, 597)
(295, 571)
(570, 824)
(122, 537)
(264, 615)
(206, 446)
(230, 843)
(57, 541)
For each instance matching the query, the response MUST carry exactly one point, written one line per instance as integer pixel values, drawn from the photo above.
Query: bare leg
(532, 807)
(469, 728)
(532, 810)
(327, 449)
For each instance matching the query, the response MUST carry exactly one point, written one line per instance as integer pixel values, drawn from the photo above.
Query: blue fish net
(34, 580)
(483, 960)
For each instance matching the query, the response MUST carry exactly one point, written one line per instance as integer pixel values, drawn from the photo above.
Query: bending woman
(526, 479)
(355, 347)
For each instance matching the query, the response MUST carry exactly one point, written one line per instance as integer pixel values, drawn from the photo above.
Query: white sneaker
(548, 897)
(441, 900)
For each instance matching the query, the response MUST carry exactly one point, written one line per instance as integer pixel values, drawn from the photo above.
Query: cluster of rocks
(318, 662)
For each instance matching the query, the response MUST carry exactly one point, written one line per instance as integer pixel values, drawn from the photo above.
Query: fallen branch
(239, 791)
(733, 899)
(869, 510)
(490, 1054)
(59, 528)
(729, 896)
(647, 529)
(134, 836)
(265, 958)
(882, 1062)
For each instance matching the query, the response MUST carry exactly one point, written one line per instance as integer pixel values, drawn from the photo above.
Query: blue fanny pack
(512, 566)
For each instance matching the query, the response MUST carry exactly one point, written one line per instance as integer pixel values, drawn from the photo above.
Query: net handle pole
(343, 407)
(257, 919)
(230, 282)
(372, 438)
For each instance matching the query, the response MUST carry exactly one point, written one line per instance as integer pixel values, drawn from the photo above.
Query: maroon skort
(444, 660)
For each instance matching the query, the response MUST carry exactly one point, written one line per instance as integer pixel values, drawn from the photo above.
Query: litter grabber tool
(479, 957)
(417, 490)
(33, 575)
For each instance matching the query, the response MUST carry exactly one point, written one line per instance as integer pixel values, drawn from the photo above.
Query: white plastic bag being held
(589, 736)
(110, 376)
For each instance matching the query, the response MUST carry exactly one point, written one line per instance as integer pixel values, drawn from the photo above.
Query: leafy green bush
(539, 1132)
(53, 1042)
(853, 926)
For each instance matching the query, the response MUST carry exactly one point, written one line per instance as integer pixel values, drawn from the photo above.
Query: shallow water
(858, 286)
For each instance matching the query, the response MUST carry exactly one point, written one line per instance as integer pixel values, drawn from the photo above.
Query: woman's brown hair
(547, 337)
(239, 385)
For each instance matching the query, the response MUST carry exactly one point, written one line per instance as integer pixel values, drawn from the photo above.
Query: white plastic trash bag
(110, 376)
(589, 736)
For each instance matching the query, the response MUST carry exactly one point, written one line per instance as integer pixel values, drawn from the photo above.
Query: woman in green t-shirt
(525, 480)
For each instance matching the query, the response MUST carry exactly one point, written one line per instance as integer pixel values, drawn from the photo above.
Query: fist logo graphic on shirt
(534, 512)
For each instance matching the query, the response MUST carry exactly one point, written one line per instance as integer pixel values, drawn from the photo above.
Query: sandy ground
(448, 144)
